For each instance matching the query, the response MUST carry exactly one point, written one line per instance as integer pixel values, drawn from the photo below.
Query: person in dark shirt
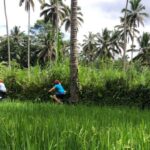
(60, 92)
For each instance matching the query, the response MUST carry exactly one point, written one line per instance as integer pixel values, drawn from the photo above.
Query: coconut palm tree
(67, 19)
(128, 35)
(7, 30)
(115, 43)
(44, 39)
(89, 47)
(144, 50)
(28, 5)
(73, 54)
(129, 30)
(46, 51)
(16, 34)
(107, 44)
(17, 42)
(135, 16)
(54, 12)
(125, 36)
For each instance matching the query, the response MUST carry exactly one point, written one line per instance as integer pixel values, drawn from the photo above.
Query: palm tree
(67, 19)
(129, 30)
(135, 16)
(115, 43)
(73, 54)
(43, 34)
(144, 50)
(16, 34)
(128, 35)
(89, 47)
(7, 30)
(125, 36)
(17, 40)
(107, 44)
(54, 12)
(46, 51)
(28, 5)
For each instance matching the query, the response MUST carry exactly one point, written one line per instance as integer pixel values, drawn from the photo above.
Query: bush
(106, 86)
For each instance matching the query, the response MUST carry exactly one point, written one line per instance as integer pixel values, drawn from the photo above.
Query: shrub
(105, 86)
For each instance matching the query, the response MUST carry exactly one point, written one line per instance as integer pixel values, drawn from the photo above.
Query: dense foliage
(105, 85)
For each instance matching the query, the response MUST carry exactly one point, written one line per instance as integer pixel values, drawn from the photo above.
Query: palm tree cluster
(56, 16)
(101, 45)
(113, 44)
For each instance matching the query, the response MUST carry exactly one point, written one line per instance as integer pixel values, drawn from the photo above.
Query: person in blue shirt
(60, 92)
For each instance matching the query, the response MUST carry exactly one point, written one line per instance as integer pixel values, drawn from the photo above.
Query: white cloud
(16, 15)
(97, 15)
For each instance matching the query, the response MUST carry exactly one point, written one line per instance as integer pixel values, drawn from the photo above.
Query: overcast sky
(98, 14)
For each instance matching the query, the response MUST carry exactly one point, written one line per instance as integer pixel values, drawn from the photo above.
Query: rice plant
(46, 126)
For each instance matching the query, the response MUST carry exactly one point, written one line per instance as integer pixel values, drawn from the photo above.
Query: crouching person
(60, 92)
(2, 90)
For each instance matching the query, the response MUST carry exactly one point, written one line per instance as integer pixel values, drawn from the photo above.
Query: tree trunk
(132, 44)
(7, 30)
(125, 37)
(73, 55)
(29, 42)
(56, 34)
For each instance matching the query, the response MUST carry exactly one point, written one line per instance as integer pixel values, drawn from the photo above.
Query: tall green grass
(45, 126)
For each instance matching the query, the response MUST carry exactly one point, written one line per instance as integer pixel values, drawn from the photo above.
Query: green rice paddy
(46, 126)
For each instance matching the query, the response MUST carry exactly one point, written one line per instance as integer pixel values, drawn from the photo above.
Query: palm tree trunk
(29, 42)
(125, 38)
(132, 45)
(73, 55)
(7, 30)
(56, 34)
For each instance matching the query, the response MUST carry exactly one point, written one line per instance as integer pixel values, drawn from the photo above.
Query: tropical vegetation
(106, 77)
(45, 46)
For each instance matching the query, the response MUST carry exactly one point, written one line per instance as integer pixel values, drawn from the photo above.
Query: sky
(98, 14)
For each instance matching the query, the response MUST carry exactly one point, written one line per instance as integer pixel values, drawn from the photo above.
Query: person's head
(1, 81)
(56, 82)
